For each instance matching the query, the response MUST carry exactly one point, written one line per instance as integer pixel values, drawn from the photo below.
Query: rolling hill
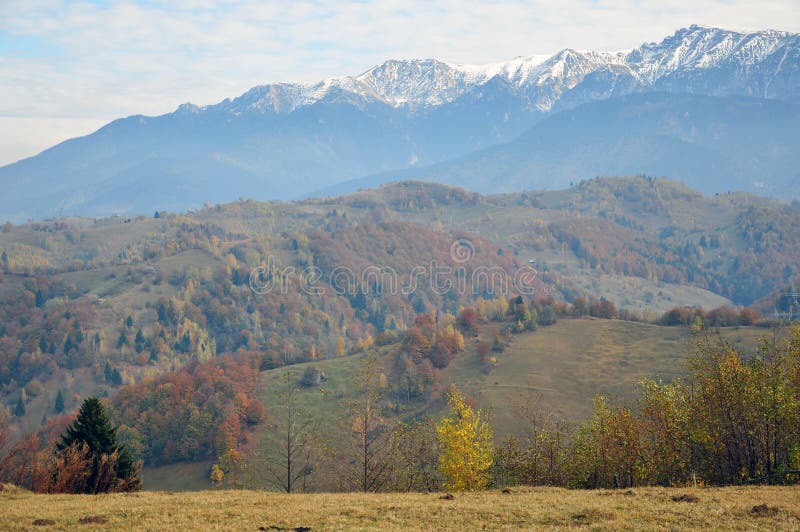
(165, 302)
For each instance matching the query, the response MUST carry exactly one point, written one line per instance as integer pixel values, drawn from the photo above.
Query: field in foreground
(640, 508)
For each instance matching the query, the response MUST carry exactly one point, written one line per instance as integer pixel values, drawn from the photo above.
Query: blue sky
(68, 67)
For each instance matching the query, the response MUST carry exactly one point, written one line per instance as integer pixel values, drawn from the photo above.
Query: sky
(68, 67)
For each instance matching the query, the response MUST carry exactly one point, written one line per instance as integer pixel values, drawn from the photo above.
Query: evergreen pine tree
(19, 410)
(68, 345)
(139, 340)
(162, 313)
(59, 406)
(93, 428)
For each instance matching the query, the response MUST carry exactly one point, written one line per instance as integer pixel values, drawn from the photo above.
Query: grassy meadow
(568, 363)
(735, 508)
(572, 361)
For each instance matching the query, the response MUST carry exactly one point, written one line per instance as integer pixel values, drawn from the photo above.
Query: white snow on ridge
(700, 47)
(428, 82)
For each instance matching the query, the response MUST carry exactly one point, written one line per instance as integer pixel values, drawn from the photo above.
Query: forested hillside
(173, 317)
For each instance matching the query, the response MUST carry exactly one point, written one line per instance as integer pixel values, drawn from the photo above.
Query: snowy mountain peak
(414, 82)
(700, 48)
(542, 80)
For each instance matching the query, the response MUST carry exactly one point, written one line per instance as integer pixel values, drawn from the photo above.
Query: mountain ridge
(283, 140)
(714, 144)
(431, 82)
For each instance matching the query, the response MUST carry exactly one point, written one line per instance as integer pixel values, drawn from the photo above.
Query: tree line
(734, 419)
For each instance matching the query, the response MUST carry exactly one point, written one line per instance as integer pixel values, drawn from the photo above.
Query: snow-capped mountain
(687, 57)
(701, 48)
(283, 140)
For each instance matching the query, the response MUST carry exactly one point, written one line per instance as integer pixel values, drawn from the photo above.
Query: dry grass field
(573, 360)
(736, 508)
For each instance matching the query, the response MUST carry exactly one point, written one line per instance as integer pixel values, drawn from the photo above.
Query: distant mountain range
(714, 108)
(715, 144)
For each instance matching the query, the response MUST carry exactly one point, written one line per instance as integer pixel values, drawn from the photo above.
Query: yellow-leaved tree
(465, 443)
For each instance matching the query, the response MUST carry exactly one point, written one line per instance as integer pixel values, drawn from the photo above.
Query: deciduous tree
(465, 442)
(369, 447)
(294, 450)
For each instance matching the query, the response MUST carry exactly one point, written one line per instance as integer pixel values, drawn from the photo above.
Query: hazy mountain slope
(284, 140)
(713, 144)
(141, 164)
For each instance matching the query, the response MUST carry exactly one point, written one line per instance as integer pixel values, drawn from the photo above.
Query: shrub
(311, 377)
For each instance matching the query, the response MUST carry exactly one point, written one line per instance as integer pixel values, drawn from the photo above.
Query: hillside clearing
(568, 363)
(575, 359)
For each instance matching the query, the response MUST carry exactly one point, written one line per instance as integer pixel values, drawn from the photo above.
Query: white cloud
(96, 61)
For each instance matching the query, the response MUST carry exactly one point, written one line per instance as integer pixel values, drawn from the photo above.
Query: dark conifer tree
(19, 410)
(59, 406)
(139, 341)
(93, 428)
